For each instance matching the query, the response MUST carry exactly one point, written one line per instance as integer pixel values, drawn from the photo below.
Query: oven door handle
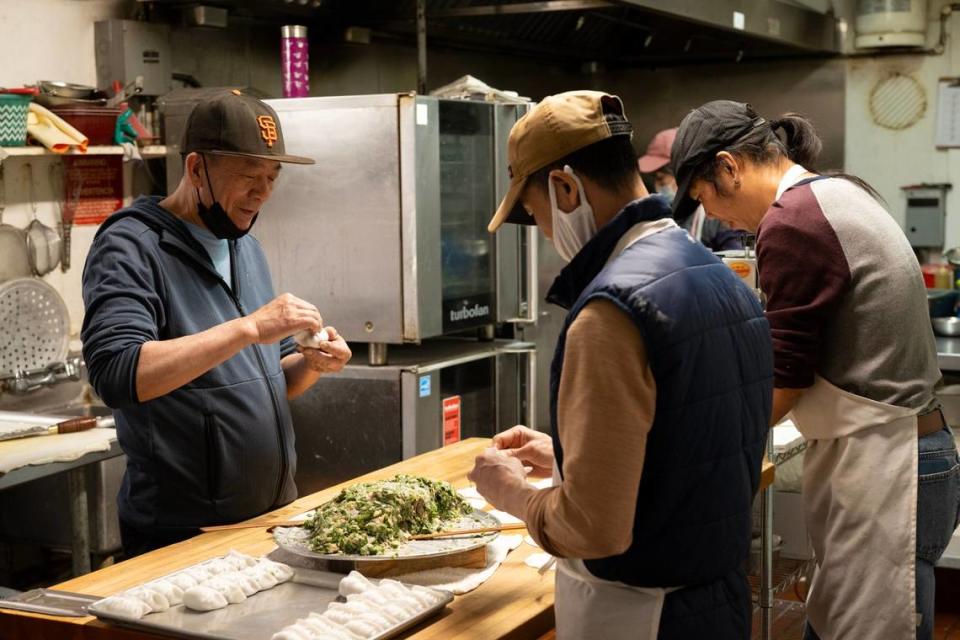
(528, 300)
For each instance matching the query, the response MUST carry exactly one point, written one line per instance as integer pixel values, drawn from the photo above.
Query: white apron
(586, 604)
(860, 503)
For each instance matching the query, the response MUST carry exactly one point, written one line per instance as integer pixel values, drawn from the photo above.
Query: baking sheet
(50, 602)
(296, 540)
(262, 614)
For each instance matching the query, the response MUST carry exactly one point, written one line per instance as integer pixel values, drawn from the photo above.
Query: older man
(184, 338)
(660, 394)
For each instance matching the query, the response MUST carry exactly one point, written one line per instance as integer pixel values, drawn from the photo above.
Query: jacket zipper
(234, 294)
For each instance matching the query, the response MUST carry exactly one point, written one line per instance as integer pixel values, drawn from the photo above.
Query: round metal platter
(297, 540)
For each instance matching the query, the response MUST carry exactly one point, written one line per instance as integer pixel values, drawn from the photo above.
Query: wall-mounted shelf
(149, 151)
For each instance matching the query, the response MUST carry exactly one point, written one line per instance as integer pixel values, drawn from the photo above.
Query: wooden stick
(461, 532)
(254, 525)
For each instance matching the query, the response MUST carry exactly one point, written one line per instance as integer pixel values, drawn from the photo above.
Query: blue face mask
(216, 219)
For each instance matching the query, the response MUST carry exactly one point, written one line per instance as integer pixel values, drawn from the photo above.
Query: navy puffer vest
(710, 352)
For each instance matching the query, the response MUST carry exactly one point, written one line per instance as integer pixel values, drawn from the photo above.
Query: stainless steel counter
(948, 353)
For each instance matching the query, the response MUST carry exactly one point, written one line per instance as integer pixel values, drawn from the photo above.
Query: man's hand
(501, 480)
(330, 356)
(281, 317)
(532, 448)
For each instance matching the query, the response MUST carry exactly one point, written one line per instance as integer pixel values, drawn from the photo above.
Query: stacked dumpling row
(369, 611)
(203, 587)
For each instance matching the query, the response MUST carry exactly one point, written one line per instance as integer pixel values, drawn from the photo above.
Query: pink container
(295, 61)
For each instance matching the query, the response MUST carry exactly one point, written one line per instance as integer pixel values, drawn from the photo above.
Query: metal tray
(262, 614)
(296, 540)
(51, 602)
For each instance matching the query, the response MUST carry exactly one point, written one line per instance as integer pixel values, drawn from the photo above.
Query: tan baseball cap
(552, 130)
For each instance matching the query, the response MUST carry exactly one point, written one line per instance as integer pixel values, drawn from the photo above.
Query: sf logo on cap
(268, 129)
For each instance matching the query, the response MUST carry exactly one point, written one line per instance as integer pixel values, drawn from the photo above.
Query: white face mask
(571, 230)
(667, 191)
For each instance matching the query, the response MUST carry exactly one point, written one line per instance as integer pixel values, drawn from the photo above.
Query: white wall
(49, 40)
(891, 159)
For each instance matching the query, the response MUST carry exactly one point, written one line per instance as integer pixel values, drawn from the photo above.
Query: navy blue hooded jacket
(220, 448)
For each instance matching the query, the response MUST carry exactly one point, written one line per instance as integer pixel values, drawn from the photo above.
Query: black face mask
(216, 219)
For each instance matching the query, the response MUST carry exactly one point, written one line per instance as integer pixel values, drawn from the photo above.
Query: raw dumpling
(338, 616)
(293, 632)
(361, 628)
(240, 560)
(395, 613)
(242, 580)
(170, 591)
(354, 607)
(217, 566)
(198, 572)
(124, 606)
(262, 576)
(431, 596)
(311, 340)
(230, 589)
(410, 603)
(280, 571)
(183, 580)
(373, 596)
(355, 582)
(326, 626)
(203, 598)
(153, 599)
(377, 620)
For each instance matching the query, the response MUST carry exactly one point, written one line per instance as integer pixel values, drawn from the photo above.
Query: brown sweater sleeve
(605, 409)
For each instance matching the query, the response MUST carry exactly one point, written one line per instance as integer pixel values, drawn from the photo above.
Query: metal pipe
(422, 47)
(79, 520)
(377, 354)
(523, 8)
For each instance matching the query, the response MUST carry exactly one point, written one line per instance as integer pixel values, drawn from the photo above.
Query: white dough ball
(311, 340)
(203, 598)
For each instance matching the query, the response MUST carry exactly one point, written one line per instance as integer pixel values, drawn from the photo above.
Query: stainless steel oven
(386, 234)
(367, 417)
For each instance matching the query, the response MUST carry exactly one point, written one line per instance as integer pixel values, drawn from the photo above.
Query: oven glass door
(467, 202)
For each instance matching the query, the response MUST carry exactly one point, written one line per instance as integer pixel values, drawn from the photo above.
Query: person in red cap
(713, 233)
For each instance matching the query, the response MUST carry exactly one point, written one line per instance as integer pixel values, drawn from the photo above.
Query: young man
(660, 397)
(184, 338)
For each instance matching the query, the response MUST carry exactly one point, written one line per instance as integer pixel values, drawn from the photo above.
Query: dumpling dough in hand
(124, 606)
(203, 598)
(311, 340)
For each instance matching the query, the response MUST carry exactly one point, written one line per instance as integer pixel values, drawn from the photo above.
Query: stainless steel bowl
(946, 326)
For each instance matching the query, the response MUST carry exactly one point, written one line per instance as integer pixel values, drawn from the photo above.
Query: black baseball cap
(232, 123)
(704, 132)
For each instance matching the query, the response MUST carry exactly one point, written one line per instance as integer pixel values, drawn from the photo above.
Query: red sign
(451, 420)
(93, 187)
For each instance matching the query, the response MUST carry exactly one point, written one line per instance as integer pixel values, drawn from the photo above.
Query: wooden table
(515, 603)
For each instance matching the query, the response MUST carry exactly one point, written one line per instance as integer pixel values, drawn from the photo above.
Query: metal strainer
(35, 325)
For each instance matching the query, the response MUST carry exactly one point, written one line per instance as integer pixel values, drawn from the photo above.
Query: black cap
(234, 124)
(702, 134)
